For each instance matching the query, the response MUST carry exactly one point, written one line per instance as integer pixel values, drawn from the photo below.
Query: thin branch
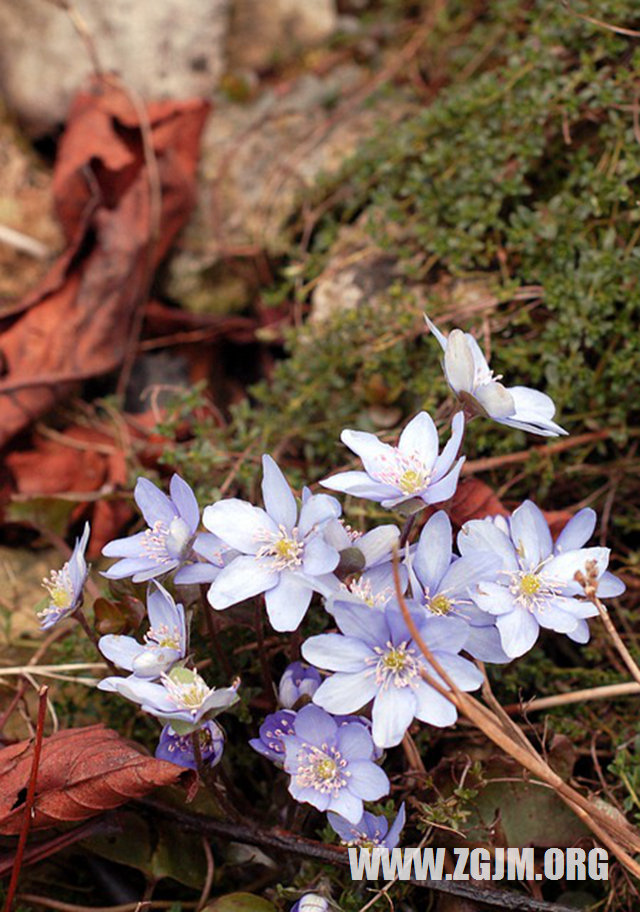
(589, 582)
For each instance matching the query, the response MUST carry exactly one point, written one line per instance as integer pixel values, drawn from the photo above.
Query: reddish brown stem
(30, 799)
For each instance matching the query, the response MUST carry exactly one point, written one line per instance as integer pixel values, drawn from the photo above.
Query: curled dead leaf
(82, 772)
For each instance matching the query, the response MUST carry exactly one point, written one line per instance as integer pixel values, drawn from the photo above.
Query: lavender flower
(281, 553)
(376, 659)
(370, 831)
(444, 584)
(165, 641)
(178, 749)
(535, 586)
(182, 697)
(297, 681)
(166, 544)
(331, 766)
(65, 586)
(311, 902)
(473, 382)
(410, 472)
(272, 731)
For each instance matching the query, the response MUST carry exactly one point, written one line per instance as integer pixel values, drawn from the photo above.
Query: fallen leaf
(474, 500)
(82, 772)
(78, 321)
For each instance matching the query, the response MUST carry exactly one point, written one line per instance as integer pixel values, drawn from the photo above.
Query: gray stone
(160, 48)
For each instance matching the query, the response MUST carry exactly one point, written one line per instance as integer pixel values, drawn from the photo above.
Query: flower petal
(445, 488)
(319, 557)
(433, 552)
(420, 438)
(445, 459)
(495, 400)
(433, 708)
(121, 650)
(577, 531)
(354, 742)
(243, 577)
(368, 781)
(346, 693)
(336, 653)
(371, 451)
(288, 601)
(278, 497)
(458, 362)
(530, 534)
(518, 631)
(392, 714)
(154, 505)
(239, 524)
(185, 502)
(359, 484)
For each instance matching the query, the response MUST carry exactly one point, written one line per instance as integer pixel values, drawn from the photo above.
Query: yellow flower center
(411, 481)
(529, 584)
(395, 659)
(326, 769)
(440, 605)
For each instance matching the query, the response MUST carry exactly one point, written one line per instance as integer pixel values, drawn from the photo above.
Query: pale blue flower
(311, 902)
(371, 553)
(297, 681)
(182, 697)
(410, 473)
(281, 553)
(166, 544)
(535, 586)
(375, 658)
(443, 585)
(370, 831)
(473, 382)
(209, 554)
(165, 641)
(65, 586)
(331, 765)
(178, 749)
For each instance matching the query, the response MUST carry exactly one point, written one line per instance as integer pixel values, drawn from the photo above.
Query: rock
(159, 49)
(259, 159)
(357, 270)
(266, 33)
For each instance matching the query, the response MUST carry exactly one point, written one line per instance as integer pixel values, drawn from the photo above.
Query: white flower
(473, 382)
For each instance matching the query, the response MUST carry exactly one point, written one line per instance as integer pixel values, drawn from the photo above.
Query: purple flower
(272, 731)
(65, 586)
(166, 544)
(376, 659)
(370, 831)
(165, 641)
(281, 554)
(178, 749)
(471, 379)
(535, 586)
(444, 585)
(412, 471)
(297, 681)
(331, 766)
(182, 697)
(311, 902)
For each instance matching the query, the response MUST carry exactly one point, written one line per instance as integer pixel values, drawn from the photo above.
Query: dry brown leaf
(82, 772)
(78, 322)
